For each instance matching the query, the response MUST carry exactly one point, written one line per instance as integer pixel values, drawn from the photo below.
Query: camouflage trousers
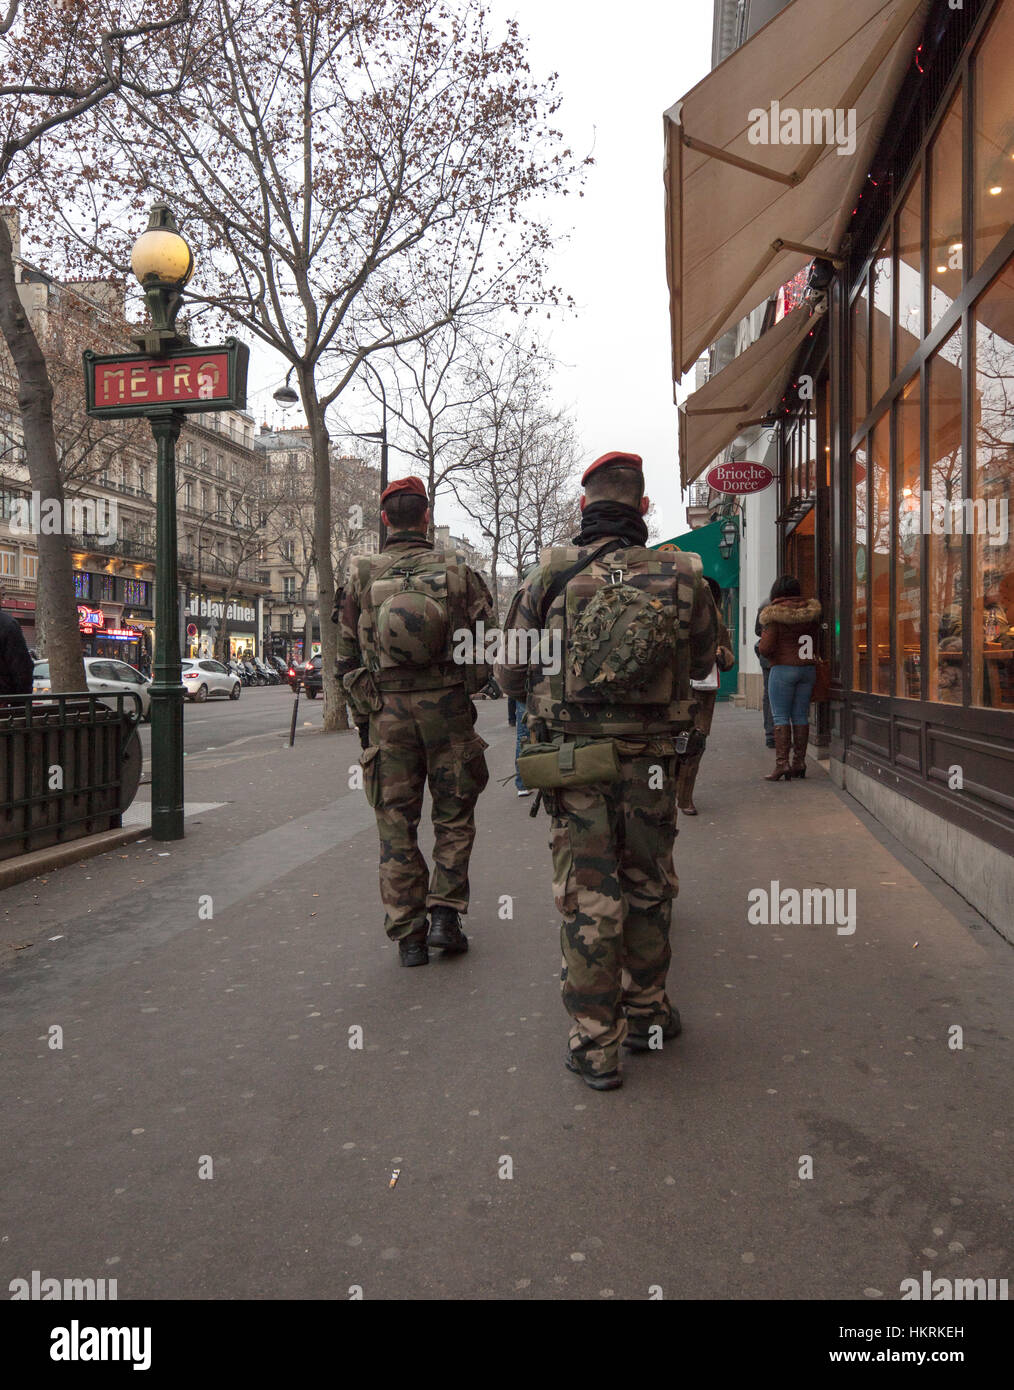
(420, 735)
(703, 716)
(613, 883)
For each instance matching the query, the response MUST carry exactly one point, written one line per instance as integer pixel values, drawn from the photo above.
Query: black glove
(364, 734)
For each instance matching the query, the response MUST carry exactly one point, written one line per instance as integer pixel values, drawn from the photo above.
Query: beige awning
(741, 394)
(743, 217)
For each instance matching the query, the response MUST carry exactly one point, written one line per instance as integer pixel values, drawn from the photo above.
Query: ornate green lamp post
(166, 379)
(163, 263)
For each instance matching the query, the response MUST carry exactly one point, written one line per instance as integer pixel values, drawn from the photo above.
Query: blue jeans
(790, 689)
(522, 736)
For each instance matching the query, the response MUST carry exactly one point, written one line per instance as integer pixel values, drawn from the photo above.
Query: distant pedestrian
(765, 665)
(512, 711)
(690, 763)
(789, 638)
(15, 661)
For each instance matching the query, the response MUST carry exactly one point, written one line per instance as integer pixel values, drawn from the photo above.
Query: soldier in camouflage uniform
(612, 842)
(410, 696)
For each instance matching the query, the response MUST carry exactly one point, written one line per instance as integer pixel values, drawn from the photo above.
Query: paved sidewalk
(186, 1037)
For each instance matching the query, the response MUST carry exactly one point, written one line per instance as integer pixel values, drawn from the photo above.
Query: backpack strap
(560, 581)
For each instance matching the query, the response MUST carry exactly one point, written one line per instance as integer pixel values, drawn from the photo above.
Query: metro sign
(188, 380)
(739, 478)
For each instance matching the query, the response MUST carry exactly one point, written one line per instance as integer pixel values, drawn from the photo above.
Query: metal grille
(62, 764)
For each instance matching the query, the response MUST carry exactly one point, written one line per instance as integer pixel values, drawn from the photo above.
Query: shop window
(107, 588)
(880, 557)
(993, 167)
(881, 318)
(992, 488)
(908, 328)
(908, 549)
(860, 569)
(860, 370)
(946, 250)
(945, 644)
(82, 585)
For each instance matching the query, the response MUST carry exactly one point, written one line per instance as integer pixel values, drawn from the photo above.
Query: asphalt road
(259, 709)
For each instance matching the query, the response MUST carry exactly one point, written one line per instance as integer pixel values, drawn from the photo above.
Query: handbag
(710, 681)
(822, 685)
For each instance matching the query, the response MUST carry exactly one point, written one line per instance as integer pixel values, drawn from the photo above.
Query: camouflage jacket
(673, 576)
(354, 636)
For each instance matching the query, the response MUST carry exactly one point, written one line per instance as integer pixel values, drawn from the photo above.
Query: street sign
(187, 380)
(191, 629)
(739, 478)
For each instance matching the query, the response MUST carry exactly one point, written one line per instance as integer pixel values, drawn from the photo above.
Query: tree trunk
(56, 611)
(335, 712)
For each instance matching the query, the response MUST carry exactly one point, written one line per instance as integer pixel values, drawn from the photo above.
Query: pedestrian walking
(404, 614)
(608, 695)
(16, 666)
(789, 638)
(690, 763)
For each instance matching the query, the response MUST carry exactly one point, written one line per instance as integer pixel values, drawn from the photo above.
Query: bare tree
(517, 481)
(58, 64)
(327, 153)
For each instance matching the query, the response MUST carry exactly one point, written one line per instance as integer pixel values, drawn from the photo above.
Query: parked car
(203, 677)
(104, 674)
(311, 678)
(292, 673)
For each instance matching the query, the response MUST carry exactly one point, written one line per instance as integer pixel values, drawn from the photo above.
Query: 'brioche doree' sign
(187, 380)
(739, 478)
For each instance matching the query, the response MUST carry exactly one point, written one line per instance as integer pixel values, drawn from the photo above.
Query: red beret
(618, 460)
(411, 484)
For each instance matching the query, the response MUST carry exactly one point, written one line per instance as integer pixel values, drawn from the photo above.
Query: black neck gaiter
(602, 519)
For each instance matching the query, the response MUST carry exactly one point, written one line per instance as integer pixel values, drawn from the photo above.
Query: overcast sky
(620, 67)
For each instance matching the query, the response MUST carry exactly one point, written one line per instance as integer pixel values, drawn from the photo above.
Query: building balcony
(129, 547)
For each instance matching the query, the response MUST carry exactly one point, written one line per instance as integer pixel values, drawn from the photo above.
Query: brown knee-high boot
(685, 784)
(800, 738)
(783, 738)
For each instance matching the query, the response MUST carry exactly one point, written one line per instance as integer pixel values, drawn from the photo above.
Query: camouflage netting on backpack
(620, 640)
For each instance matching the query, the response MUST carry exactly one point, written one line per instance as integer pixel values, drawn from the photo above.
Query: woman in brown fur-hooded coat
(790, 633)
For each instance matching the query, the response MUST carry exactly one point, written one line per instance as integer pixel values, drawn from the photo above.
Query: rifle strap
(561, 580)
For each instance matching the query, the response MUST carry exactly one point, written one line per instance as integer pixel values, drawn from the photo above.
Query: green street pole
(166, 689)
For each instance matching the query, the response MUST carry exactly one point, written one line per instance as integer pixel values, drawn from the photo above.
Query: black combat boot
(597, 1080)
(412, 949)
(639, 1028)
(445, 931)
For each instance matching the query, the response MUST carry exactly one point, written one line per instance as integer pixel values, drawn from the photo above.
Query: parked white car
(103, 674)
(203, 677)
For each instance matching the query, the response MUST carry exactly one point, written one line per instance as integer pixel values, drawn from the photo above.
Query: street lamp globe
(160, 253)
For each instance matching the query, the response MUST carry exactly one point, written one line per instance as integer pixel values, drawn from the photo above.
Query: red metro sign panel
(188, 380)
(739, 478)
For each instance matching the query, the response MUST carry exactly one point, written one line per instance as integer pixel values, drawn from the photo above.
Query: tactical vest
(664, 705)
(422, 597)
